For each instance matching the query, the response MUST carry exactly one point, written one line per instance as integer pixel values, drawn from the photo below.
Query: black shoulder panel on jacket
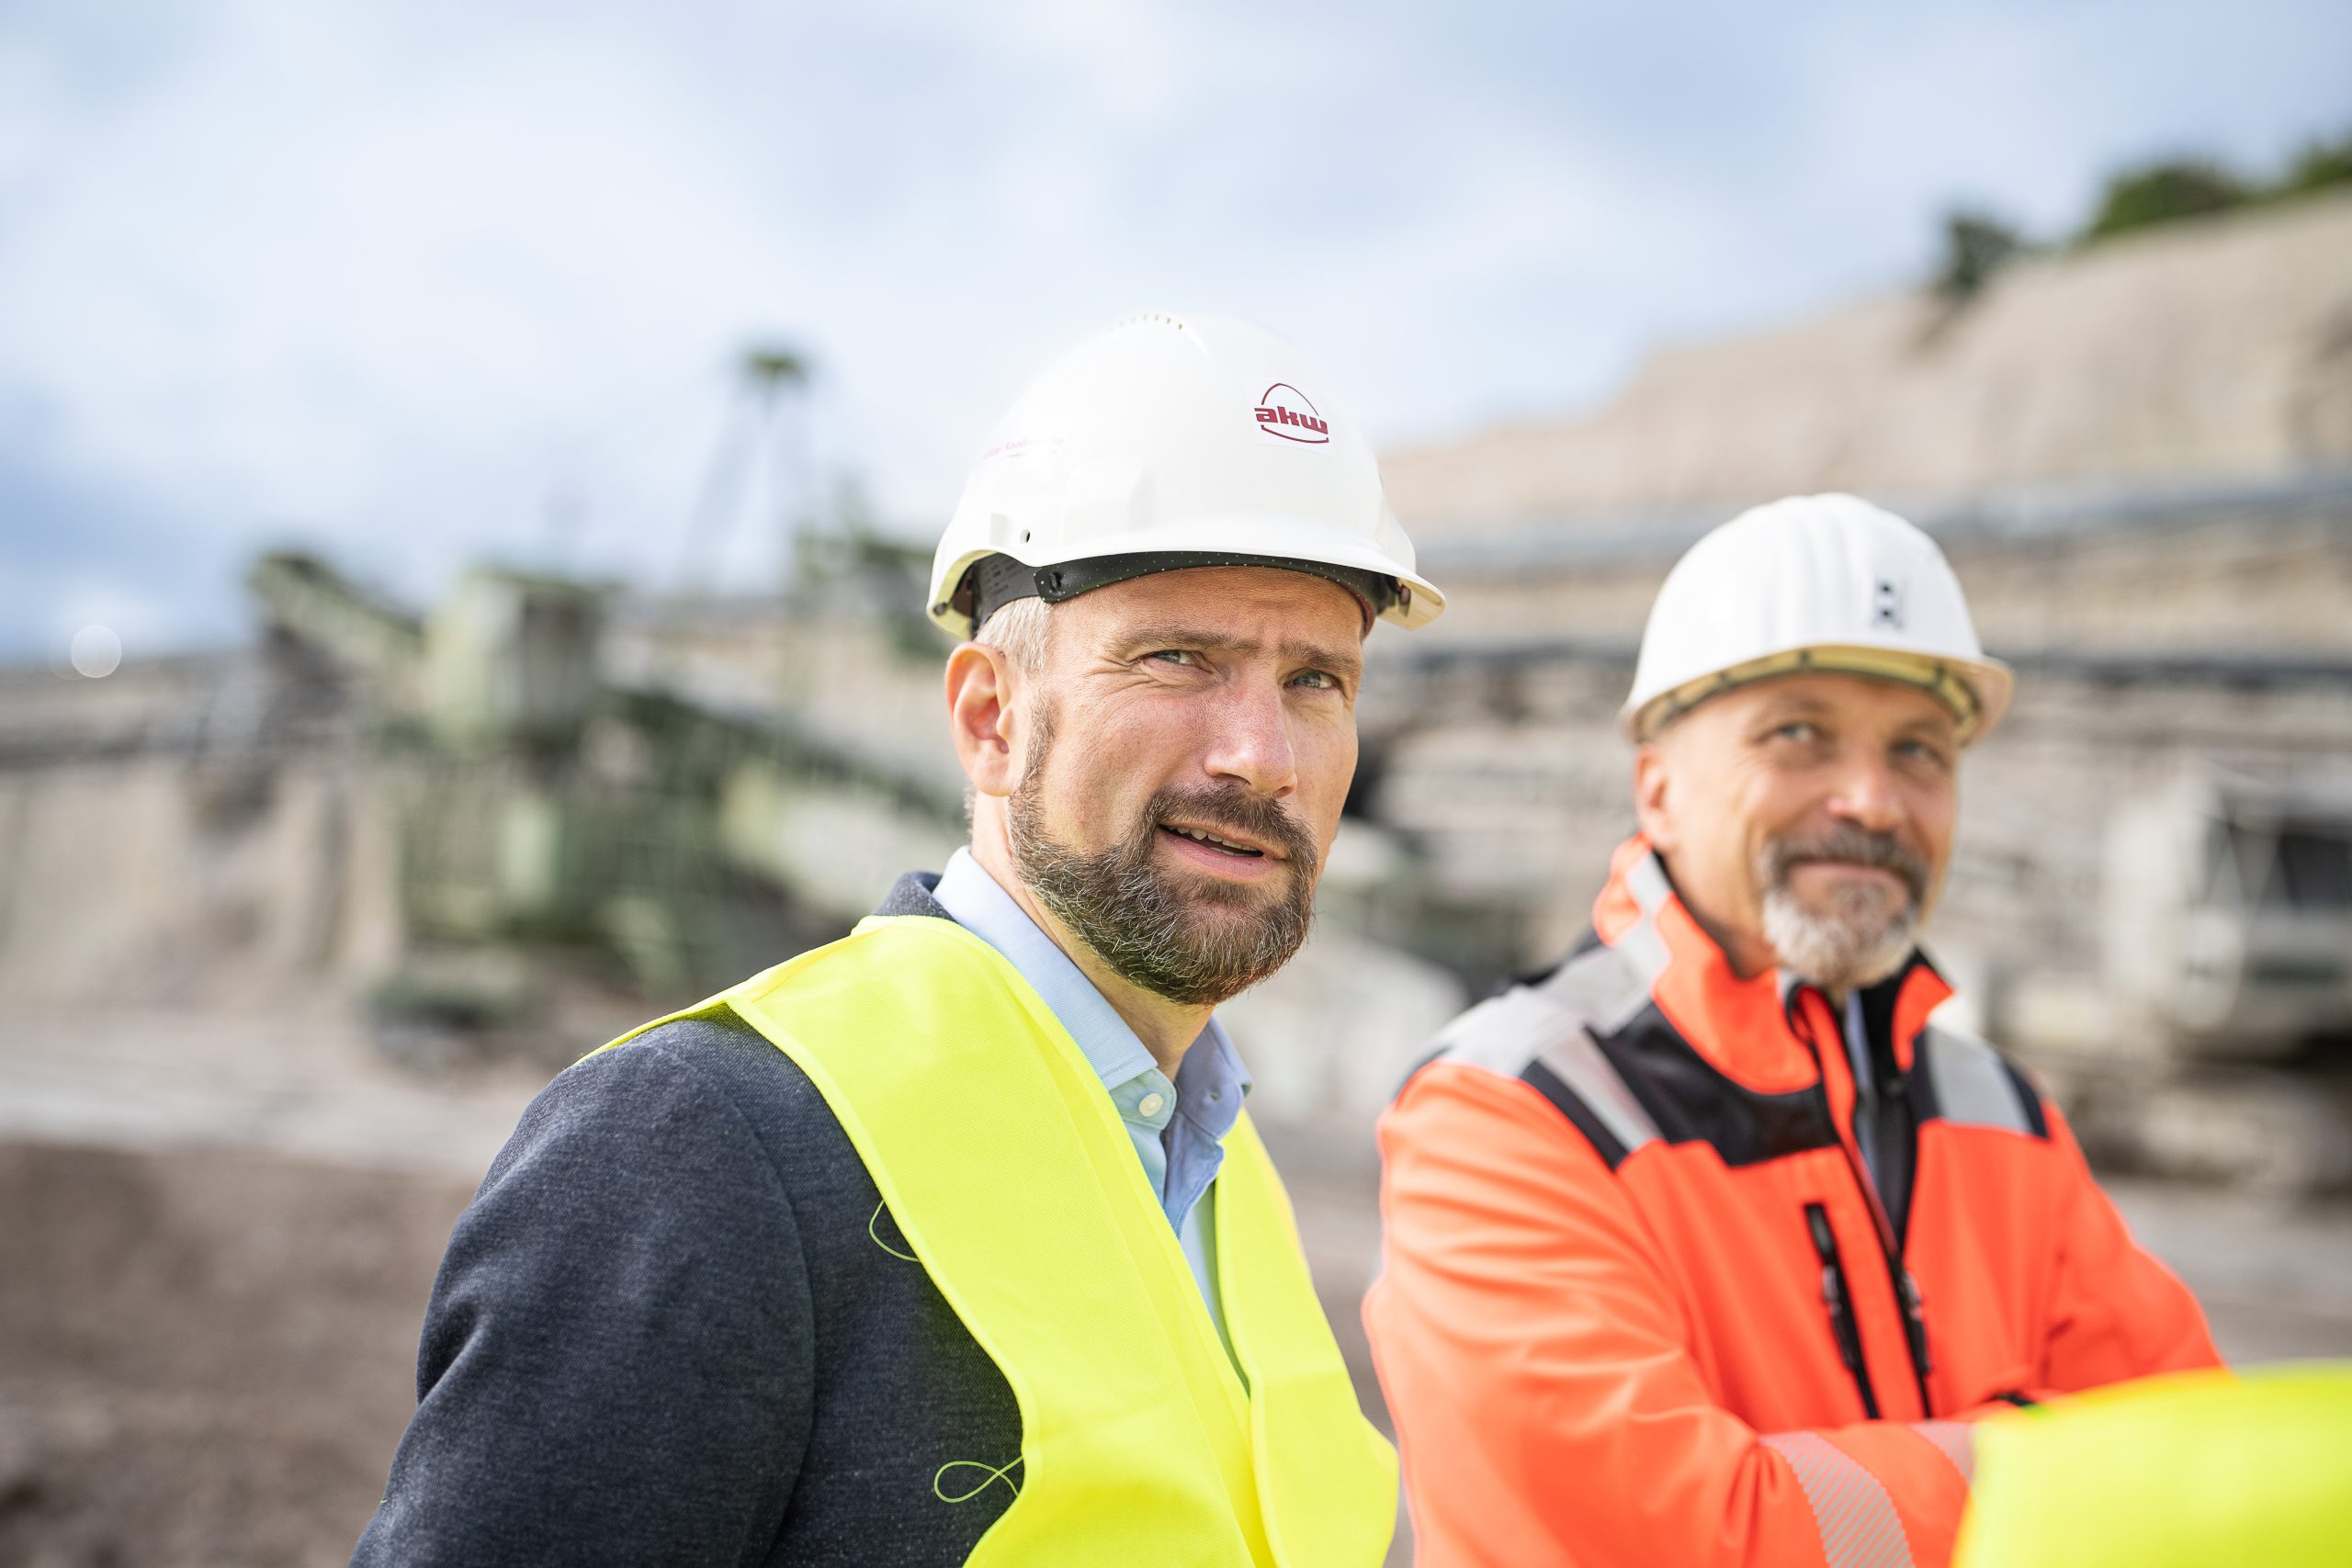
(1587, 1037)
(1570, 1104)
(1693, 1103)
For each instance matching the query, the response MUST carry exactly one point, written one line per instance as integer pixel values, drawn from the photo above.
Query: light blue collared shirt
(1178, 1129)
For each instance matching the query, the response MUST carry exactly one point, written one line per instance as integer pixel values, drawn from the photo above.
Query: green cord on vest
(990, 1476)
(875, 1219)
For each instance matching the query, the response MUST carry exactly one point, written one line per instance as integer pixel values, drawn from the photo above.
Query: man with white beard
(1708, 1246)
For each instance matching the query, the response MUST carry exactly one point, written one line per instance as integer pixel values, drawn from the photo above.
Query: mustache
(1250, 816)
(1852, 846)
(1180, 938)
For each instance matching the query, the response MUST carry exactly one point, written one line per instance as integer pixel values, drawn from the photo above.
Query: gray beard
(1867, 931)
(1839, 951)
(1193, 945)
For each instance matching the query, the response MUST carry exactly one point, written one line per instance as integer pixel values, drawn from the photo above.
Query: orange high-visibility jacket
(1643, 1305)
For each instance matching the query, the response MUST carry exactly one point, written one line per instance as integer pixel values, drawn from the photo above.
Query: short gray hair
(1017, 629)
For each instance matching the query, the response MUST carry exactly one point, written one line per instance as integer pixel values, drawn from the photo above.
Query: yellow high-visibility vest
(2190, 1468)
(1014, 1183)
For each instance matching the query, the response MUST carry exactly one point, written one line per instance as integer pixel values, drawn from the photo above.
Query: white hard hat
(1172, 442)
(1823, 583)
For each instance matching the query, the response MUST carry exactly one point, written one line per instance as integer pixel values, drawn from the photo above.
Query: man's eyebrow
(1342, 661)
(1934, 726)
(1784, 706)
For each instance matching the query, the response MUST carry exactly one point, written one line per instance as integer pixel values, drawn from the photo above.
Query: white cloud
(279, 283)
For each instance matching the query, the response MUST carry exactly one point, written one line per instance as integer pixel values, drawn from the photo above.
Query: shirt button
(1150, 1104)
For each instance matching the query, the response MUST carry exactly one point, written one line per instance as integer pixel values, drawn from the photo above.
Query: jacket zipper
(1837, 1296)
(1907, 1289)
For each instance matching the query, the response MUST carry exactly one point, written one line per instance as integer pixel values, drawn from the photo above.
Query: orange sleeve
(2115, 1312)
(1536, 1363)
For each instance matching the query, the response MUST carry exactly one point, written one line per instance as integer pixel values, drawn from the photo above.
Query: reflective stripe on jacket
(1640, 1305)
(1007, 1171)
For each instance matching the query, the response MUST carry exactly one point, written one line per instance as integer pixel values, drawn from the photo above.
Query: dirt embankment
(206, 1358)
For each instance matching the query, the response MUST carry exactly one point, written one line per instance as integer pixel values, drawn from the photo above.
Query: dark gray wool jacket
(664, 1332)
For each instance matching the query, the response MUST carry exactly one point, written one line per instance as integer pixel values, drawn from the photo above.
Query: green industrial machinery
(551, 822)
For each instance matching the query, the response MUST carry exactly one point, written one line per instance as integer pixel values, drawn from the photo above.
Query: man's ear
(980, 718)
(1653, 796)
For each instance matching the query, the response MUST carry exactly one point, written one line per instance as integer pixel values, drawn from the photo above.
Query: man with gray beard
(951, 1241)
(1709, 1246)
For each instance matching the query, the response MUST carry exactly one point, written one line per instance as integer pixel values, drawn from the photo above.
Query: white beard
(1859, 940)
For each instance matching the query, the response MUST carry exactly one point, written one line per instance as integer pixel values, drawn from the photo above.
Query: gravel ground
(206, 1356)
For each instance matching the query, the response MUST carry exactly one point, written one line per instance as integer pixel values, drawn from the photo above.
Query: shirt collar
(1210, 1082)
(968, 892)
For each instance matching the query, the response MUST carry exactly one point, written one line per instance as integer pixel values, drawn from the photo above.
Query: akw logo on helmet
(1284, 411)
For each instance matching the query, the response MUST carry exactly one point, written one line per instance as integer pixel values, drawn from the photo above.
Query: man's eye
(1798, 730)
(1315, 679)
(1172, 655)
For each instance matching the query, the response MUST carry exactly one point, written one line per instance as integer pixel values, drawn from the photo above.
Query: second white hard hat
(1826, 582)
(1172, 442)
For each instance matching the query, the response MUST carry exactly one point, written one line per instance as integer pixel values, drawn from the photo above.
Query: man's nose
(1867, 796)
(1249, 739)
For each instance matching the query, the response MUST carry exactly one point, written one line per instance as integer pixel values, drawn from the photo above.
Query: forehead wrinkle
(1175, 634)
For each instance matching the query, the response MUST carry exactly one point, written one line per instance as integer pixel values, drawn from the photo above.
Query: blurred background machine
(2228, 931)
(530, 829)
(2229, 915)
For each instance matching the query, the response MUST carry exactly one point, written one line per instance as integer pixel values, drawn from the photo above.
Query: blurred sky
(417, 283)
